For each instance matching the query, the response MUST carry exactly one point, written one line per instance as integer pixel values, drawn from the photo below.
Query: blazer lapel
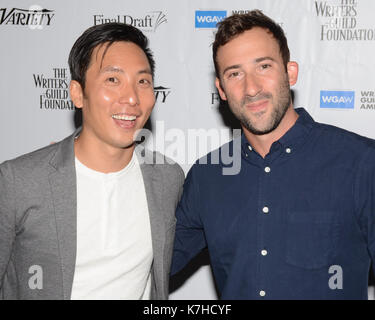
(64, 197)
(154, 187)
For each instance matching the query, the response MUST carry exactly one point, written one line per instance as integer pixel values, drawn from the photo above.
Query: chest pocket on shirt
(311, 238)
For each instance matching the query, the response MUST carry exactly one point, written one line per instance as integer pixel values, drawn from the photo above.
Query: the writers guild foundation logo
(340, 21)
(161, 94)
(148, 22)
(55, 94)
(34, 17)
(367, 100)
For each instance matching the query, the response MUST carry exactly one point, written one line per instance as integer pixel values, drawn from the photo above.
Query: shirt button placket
(265, 210)
(267, 169)
(250, 149)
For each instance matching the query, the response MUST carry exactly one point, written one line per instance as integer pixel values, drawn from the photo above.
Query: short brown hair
(236, 24)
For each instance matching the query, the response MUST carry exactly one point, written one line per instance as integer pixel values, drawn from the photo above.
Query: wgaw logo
(337, 99)
(35, 17)
(208, 19)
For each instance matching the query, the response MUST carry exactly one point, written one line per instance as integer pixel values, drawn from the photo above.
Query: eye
(233, 74)
(112, 80)
(145, 82)
(265, 66)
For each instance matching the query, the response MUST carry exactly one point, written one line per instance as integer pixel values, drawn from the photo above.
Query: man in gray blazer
(92, 217)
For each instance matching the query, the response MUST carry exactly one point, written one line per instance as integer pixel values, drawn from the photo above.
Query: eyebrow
(111, 69)
(264, 58)
(119, 70)
(147, 71)
(236, 66)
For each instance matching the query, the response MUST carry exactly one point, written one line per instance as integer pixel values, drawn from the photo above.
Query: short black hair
(107, 33)
(236, 24)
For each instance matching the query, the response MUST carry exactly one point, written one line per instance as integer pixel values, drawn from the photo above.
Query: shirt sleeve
(365, 200)
(7, 218)
(189, 237)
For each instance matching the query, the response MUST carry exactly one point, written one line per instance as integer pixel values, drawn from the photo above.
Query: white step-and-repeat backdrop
(332, 40)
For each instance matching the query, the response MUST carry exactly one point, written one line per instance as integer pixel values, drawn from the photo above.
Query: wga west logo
(35, 17)
(208, 19)
(337, 99)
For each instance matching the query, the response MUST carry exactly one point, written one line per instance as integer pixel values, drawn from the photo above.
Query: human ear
(76, 93)
(292, 69)
(222, 94)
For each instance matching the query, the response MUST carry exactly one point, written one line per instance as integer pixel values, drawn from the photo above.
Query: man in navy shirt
(298, 220)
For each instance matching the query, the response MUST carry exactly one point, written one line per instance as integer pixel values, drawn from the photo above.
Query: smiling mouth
(257, 106)
(124, 117)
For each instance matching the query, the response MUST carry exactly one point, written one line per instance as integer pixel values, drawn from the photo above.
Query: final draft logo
(340, 21)
(148, 22)
(215, 98)
(55, 95)
(35, 17)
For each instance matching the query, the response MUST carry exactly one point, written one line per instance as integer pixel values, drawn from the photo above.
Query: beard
(279, 110)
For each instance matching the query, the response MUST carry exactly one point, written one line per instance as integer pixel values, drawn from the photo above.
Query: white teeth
(124, 117)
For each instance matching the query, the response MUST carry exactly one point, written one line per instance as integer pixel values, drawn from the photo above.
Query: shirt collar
(294, 137)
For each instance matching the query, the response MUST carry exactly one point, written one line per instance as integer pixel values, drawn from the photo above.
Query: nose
(129, 96)
(252, 85)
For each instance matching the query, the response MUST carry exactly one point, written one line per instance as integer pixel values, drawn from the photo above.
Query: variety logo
(35, 17)
(208, 19)
(161, 93)
(337, 99)
(148, 22)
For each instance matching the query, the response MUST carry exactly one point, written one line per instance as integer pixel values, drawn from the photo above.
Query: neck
(262, 143)
(100, 157)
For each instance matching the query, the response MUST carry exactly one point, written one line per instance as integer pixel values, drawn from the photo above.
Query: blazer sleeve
(189, 237)
(7, 217)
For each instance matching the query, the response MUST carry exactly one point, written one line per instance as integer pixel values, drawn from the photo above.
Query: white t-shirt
(114, 246)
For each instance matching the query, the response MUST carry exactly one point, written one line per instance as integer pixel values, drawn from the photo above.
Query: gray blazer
(38, 220)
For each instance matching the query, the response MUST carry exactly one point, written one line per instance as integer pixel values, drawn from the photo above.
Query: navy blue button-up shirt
(297, 224)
